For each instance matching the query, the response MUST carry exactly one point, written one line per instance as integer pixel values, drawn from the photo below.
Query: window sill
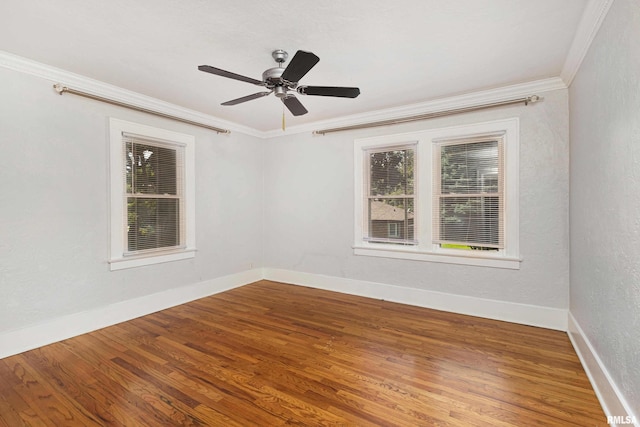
(139, 261)
(448, 257)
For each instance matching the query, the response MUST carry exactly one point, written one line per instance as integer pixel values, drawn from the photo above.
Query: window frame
(119, 255)
(438, 196)
(367, 231)
(426, 249)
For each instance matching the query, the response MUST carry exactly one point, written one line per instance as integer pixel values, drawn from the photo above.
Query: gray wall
(309, 211)
(605, 197)
(53, 196)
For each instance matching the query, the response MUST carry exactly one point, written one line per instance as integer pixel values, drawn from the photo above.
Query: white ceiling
(398, 52)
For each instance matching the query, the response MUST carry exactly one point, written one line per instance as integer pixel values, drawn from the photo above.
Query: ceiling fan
(281, 80)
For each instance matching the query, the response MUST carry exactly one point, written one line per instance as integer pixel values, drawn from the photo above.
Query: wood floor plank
(271, 354)
(40, 394)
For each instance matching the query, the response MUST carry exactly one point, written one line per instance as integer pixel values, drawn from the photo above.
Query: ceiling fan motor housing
(272, 80)
(272, 75)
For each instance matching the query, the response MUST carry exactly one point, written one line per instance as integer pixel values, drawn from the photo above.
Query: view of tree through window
(153, 196)
(391, 196)
(470, 196)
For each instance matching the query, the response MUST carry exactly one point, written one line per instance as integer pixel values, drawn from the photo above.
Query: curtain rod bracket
(59, 88)
(532, 99)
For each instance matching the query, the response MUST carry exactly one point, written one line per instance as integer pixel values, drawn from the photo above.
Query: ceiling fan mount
(280, 81)
(279, 55)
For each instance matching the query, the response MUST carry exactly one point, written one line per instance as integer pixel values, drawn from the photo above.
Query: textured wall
(605, 197)
(54, 220)
(309, 211)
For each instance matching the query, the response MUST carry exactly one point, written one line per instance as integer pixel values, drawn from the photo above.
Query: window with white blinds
(445, 195)
(154, 191)
(468, 194)
(390, 197)
(152, 195)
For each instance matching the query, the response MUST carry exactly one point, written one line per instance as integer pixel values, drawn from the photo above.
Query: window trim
(118, 258)
(426, 250)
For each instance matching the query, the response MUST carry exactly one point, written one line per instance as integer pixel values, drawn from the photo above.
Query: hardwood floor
(270, 354)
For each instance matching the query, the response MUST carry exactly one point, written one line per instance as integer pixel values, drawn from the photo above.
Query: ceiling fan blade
(228, 74)
(294, 105)
(300, 65)
(246, 98)
(342, 92)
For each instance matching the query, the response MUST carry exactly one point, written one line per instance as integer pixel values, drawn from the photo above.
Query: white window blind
(390, 195)
(154, 194)
(468, 194)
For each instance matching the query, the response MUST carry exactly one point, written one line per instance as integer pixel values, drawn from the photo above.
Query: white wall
(605, 198)
(309, 203)
(53, 196)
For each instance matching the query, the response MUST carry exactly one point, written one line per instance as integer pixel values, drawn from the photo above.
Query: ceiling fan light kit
(281, 81)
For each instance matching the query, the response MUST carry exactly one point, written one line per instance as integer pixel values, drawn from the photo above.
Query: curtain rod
(62, 89)
(528, 100)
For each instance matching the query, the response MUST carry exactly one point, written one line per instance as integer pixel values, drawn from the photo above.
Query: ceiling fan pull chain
(283, 121)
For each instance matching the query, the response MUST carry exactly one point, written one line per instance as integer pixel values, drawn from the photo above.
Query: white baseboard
(545, 317)
(612, 401)
(14, 342)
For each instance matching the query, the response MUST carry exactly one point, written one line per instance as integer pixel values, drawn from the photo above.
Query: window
(468, 196)
(393, 230)
(152, 191)
(390, 197)
(441, 195)
(154, 179)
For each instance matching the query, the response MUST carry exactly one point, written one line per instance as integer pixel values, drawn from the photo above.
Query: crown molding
(453, 102)
(76, 81)
(592, 18)
(105, 90)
